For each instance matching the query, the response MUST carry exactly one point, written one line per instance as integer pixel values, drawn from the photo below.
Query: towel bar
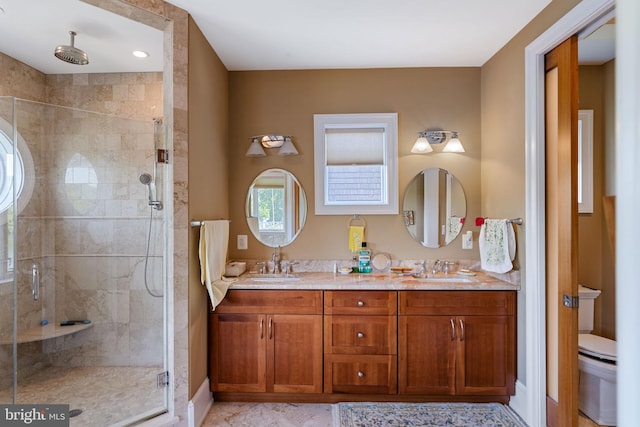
(197, 223)
(516, 221)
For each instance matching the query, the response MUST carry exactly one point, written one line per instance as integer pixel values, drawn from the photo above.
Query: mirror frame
(299, 209)
(445, 232)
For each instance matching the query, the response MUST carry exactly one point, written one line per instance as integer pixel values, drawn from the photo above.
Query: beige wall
(285, 102)
(208, 179)
(20, 80)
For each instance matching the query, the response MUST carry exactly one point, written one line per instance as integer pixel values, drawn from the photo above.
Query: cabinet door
(237, 361)
(426, 352)
(294, 356)
(486, 361)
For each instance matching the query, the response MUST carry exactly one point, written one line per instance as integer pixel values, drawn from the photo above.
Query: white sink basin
(274, 278)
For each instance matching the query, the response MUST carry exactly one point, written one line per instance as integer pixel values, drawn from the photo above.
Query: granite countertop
(373, 281)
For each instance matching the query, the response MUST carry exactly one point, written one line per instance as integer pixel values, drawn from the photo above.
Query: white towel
(497, 243)
(214, 238)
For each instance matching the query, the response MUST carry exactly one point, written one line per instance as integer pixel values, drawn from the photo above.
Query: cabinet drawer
(273, 302)
(361, 302)
(360, 334)
(469, 303)
(360, 374)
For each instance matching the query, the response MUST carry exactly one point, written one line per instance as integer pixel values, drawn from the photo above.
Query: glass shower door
(7, 256)
(89, 261)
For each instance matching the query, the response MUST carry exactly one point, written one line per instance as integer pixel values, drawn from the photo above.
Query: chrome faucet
(436, 267)
(275, 258)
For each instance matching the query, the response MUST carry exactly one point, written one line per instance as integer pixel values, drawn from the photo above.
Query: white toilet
(597, 365)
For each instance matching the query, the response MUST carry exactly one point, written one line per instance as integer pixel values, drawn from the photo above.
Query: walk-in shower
(77, 215)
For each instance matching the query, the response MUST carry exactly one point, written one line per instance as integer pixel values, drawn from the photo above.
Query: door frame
(588, 12)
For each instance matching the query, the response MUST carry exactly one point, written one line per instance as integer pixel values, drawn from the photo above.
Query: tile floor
(231, 414)
(106, 395)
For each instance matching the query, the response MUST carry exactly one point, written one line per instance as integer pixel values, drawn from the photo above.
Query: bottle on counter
(364, 259)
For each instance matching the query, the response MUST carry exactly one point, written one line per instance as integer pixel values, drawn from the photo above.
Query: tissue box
(235, 268)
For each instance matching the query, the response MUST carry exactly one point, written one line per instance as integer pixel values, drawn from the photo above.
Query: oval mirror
(276, 207)
(434, 208)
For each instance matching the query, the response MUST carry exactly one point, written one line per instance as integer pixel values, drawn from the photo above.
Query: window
(269, 208)
(356, 158)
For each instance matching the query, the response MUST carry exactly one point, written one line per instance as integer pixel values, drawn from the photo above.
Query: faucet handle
(262, 265)
(286, 266)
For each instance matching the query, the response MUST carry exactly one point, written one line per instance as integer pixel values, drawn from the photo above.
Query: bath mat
(374, 414)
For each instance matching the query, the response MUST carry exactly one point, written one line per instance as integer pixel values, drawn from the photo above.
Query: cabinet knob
(360, 335)
(360, 303)
(360, 374)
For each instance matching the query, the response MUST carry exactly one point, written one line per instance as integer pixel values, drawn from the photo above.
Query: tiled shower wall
(86, 222)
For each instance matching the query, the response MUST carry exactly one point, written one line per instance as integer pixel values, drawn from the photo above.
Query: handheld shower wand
(146, 179)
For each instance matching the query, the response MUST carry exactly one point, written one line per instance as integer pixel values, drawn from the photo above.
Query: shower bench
(41, 333)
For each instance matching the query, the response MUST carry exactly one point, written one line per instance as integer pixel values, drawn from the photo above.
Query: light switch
(467, 240)
(243, 242)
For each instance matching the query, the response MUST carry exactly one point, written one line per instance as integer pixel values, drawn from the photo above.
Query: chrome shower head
(71, 54)
(145, 178)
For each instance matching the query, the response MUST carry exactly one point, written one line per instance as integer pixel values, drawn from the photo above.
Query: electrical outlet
(467, 240)
(243, 242)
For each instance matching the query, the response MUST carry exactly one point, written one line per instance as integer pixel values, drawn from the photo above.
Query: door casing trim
(532, 403)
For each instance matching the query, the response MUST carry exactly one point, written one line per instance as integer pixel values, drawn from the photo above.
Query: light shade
(288, 149)
(454, 145)
(421, 145)
(255, 149)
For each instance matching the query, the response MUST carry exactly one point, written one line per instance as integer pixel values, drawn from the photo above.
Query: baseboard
(200, 404)
(519, 402)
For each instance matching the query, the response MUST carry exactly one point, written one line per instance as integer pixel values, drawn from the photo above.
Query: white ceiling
(30, 30)
(299, 34)
(275, 34)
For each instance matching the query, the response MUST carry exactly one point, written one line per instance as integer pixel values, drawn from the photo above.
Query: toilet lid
(596, 346)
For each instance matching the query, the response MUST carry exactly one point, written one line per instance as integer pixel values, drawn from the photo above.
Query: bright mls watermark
(34, 415)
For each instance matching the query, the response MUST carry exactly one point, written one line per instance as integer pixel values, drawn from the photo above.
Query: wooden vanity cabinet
(360, 342)
(267, 341)
(456, 343)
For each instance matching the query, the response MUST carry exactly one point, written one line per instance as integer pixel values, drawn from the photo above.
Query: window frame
(389, 123)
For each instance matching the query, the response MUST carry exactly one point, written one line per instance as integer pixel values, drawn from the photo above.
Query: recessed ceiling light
(140, 54)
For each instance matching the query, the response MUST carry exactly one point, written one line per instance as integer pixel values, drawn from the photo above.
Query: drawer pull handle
(461, 330)
(360, 374)
(453, 330)
(360, 303)
(360, 335)
(271, 328)
(261, 328)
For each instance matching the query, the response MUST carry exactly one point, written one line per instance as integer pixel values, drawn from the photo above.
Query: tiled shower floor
(106, 395)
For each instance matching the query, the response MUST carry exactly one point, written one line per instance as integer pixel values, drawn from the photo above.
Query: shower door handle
(35, 282)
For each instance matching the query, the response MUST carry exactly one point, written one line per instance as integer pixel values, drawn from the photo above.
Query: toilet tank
(585, 309)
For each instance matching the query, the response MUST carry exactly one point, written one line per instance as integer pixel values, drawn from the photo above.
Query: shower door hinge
(570, 301)
(163, 379)
(163, 156)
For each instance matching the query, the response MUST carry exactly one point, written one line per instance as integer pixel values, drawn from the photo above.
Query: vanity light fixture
(429, 137)
(260, 142)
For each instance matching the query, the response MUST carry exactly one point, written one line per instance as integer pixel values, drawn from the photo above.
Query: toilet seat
(597, 347)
